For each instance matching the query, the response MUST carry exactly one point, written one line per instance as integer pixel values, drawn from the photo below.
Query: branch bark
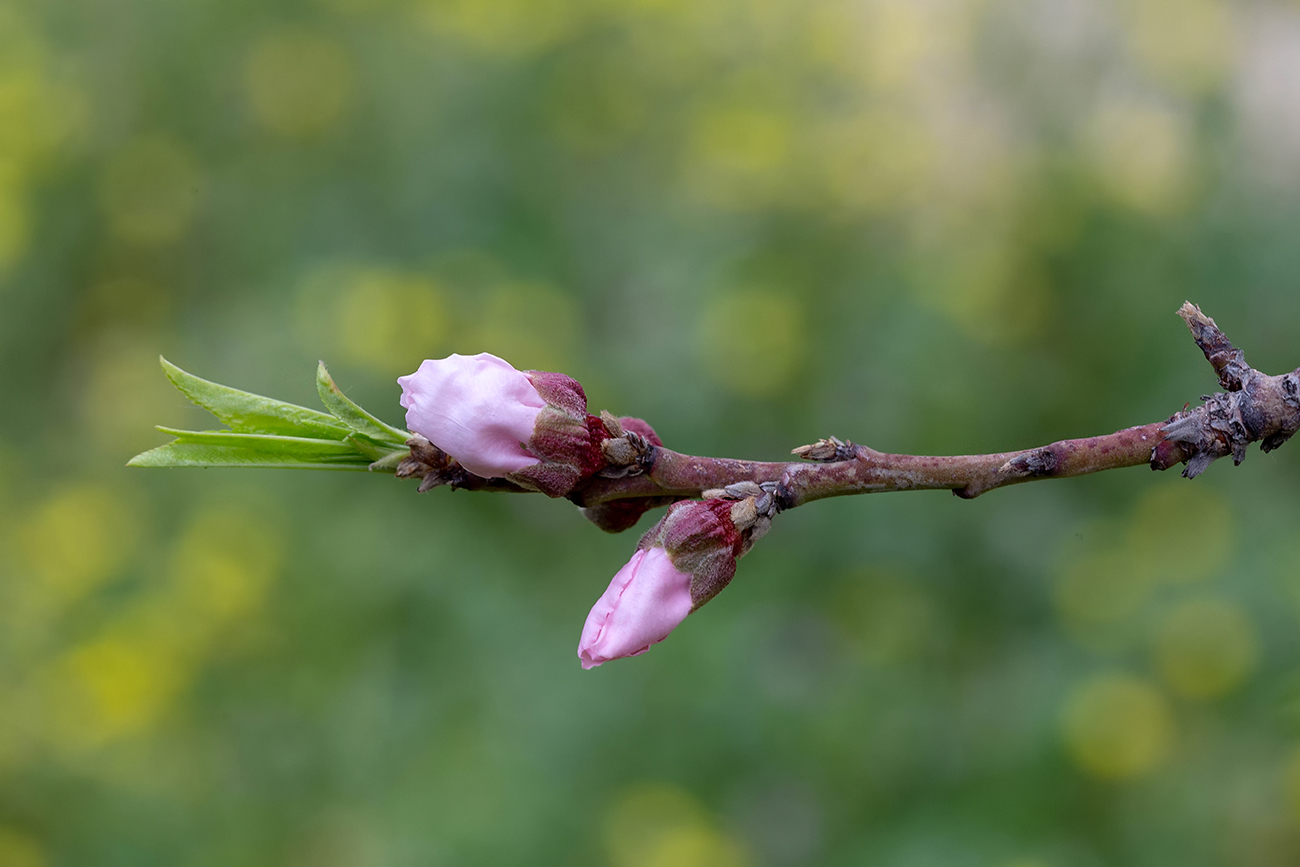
(1256, 407)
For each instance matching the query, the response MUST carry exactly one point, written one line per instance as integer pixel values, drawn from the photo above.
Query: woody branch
(1255, 407)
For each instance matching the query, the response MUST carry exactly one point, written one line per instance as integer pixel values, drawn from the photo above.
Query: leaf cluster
(264, 432)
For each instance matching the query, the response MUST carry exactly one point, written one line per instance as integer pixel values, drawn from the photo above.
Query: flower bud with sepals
(681, 563)
(529, 427)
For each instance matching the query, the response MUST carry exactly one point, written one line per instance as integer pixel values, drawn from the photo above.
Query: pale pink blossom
(647, 599)
(476, 408)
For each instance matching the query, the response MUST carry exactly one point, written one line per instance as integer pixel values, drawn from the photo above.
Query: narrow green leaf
(376, 451)
(354, 416)
(253, 413)
(268, 443)
(199, 454)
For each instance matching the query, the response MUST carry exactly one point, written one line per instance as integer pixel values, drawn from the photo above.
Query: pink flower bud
(701, 538)
(476, 408)
(681, 563)
(647, 599)
(530, 427)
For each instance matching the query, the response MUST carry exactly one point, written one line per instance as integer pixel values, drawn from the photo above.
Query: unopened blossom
(681, 563)
(530, 427)
(476, 408)
(647, 599)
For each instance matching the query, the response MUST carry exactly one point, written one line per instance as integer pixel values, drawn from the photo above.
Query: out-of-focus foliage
(929, 225)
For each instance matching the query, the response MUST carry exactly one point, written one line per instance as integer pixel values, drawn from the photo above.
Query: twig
(632, 472)
(1257, 407)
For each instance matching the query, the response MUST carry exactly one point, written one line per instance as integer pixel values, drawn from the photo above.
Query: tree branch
(1257, 407)
(636, 474)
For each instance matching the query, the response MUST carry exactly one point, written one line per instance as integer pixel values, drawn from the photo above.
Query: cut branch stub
(1256, 407)
(1229, 362)
(1265, 410)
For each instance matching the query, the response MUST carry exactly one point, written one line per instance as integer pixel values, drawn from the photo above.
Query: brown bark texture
(1254, 407)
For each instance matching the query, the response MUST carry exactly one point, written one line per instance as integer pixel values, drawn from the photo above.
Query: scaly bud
(681, 563)
(531, 427)
(626, 451)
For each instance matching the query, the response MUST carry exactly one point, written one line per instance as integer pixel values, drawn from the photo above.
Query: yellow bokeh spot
(36, 114)
(1103, 588)
(1206, 647)
(19, 850)
(981, 285)
(743, 140)
(150, 190)
(1116, 726)
(391, 320)
(221, 568)
(531, 325)
(738, 154)
(662, 826)
(125, 680)
(903, 43)
(877, 161)
(300, 83)
(13, 228)
(123, 394)
(753, 342)
(1098, 593)
(695, 847)
(74, 540)
(1181, 533)
(1186, 44)
(123, 684)
(504, 27)
(378, 318)
(1141, 154)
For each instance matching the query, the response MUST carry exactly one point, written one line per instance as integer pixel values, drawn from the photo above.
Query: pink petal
(644, 602)
(476, 408)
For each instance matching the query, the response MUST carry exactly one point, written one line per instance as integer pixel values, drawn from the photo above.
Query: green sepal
(253, 413)
(388, 463)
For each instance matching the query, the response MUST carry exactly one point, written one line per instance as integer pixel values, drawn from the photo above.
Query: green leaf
(231, 449)
(263, 442)
(252, 413)
(376, 451)
(354, 416)
(183, 454)
(272, 433)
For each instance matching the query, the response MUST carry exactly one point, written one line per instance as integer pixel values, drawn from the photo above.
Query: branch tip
(1228, 361)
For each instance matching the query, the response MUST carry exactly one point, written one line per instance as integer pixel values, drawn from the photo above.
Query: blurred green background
(934, 226)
